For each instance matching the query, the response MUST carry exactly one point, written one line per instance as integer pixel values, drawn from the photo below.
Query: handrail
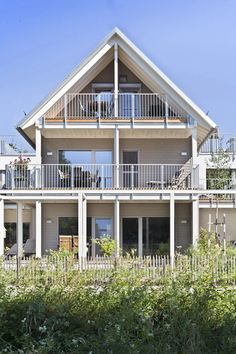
(101, 176)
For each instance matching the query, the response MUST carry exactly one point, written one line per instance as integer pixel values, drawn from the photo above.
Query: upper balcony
(101, 176)
(105, 107)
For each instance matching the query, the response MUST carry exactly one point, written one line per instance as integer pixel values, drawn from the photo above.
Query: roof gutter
(25, 136)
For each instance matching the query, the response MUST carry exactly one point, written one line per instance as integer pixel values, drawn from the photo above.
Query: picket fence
(58, 269)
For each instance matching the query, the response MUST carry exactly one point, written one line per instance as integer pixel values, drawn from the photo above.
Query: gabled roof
(143, 65)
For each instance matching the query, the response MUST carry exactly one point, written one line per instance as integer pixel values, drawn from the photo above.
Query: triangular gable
(139, 62)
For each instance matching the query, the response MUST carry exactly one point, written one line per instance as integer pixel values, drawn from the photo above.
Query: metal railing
(215, 144)
(13, 145)
(101, 176)
(88, 106)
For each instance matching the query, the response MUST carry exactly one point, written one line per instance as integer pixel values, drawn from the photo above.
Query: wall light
(48, 221)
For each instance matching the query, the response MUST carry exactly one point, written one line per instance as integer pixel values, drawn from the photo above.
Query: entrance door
(130, 169)
(130, 235)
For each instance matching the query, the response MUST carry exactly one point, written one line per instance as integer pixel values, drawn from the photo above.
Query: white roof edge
(117, 31)
(166, 79)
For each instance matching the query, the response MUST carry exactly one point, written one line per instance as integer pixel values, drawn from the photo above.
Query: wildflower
(42, 329)
(191, 291)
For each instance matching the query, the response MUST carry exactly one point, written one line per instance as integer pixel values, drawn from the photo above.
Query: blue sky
(192, 41)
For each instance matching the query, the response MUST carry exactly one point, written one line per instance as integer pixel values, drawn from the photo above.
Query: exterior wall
(144, 209)
(158, 151)
(154, 151)
(53, 211)
(107, 76)
(230, 221)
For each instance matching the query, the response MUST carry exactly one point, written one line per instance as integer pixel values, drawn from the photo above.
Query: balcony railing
(13, 145)
(109, 176)
(74, 107)
(215, 144)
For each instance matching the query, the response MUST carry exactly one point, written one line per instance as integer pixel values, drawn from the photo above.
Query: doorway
(130, 169)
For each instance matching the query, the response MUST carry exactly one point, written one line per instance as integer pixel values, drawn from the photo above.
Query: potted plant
(19, 169)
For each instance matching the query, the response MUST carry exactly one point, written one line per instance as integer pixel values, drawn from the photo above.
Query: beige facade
(150, 151)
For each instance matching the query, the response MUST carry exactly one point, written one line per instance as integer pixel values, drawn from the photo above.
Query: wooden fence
(64, 270)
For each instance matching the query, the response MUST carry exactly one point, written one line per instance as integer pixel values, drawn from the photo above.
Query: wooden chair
(65, 243)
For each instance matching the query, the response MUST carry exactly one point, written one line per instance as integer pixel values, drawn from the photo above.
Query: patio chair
(64, 179)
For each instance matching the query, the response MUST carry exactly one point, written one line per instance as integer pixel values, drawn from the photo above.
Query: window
(68, 225)
(156, 235)
(11, 233)
(103, 227)
(85, 157)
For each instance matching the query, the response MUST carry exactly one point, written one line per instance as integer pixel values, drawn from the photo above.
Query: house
(120, 151)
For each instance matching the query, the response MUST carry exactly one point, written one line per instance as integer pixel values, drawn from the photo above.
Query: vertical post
(172, 228)
(38, 228)
(19, 231)
(84, 239)
(195, 222)
(140, 237)
(80, 226)
(116, 80)
(65, 109)
(166, 110)
(116, 156)
(224, 234)
(194, 156)
(209, 231)
(38, 145)
(194, 144)
(117, 226)
(2, 228)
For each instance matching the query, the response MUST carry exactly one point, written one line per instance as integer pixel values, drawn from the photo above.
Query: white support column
(116, 79)
(80, 225)
(19, 229)
(38, 145)
(172, 228)
(195, 222)
(140, 237)
(38, 228)
(116, 156)
(117, 226)
(84, 238)
(2, 228)
(194, 145)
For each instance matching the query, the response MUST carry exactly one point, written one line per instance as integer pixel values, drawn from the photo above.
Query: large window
(11, 233)
(68, 225)
(85, 157)
(156, 235)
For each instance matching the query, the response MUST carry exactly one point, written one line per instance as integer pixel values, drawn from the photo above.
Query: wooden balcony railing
(107, 176)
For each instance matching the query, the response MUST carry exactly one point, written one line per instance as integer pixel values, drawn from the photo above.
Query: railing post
(132, 107)
(116, 83)
(65, 109)
(132, 176)
(166, 110)
(99, 108)
(162, 176)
